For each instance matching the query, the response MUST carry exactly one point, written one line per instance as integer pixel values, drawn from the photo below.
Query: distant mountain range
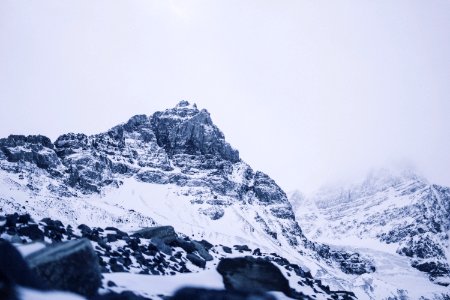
(396, 211)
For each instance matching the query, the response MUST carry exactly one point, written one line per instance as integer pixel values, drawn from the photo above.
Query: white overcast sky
(307, 91)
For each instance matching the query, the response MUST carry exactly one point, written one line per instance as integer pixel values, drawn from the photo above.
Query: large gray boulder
(71, 266)
(249, 274)
(165, 233)
(15, 271)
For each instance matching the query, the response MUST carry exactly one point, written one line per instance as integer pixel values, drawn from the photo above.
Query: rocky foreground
(73, 260)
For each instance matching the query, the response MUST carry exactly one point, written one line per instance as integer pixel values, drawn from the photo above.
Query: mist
(307, 91)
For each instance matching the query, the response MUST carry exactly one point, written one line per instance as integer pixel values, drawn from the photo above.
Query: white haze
(308, 91)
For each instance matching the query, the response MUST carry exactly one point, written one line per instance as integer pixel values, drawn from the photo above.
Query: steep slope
(171, 168)
(399, 210)
(178, 152)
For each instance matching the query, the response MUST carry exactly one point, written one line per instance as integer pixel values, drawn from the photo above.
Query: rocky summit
(162, 202)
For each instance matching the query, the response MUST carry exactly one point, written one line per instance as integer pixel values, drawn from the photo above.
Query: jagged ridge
(179, 146)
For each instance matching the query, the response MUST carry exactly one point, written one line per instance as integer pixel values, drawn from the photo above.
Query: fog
(307, 91)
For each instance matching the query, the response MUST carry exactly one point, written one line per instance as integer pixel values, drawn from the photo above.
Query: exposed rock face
(35, 149)
(249, 274)
(186, 130)
(149, 148)
(70, 266)
(266, 189)
(348, 262)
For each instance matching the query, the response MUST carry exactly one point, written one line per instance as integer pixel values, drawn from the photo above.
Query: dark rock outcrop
(35, 149)
(348, 262)
(266, 189)
(196, 260)
(251, 274)
(165, 233)
(70, 266)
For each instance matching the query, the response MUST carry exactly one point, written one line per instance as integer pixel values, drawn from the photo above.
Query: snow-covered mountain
(171, 168)
(396, 215)
(175, 168)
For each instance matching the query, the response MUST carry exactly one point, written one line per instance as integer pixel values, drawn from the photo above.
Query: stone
(187, 246)
(162, 246)
(32, 231)
(202, 251)
(227, 249)
(207, 245)
(15, 270)
(249, 274)
(166, 233)
(71, 266)
(197, 261)
(187, 130)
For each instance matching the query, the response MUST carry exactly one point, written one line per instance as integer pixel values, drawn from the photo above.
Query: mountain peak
(187, 130)
(184, 104)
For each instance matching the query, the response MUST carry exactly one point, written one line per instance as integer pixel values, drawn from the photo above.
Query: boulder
(32, 231)
(251, 274)
(242, 248)
(199, 262)
(71, 266)
(162, 246)
(15, 270)
(186, 245)
(227, 249)
(166, 233)
(202, 251)
(207, 245)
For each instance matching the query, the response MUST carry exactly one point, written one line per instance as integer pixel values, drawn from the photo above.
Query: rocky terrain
(59, 257)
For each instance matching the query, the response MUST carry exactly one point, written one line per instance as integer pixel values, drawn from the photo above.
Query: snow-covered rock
(397, 212)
